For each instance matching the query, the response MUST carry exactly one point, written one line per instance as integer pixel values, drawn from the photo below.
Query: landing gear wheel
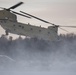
(6, 32)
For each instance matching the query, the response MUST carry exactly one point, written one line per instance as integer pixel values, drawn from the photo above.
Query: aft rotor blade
(2, 8)
(69, 26)
(63, 29)
(38, 18)
(20, 14)
(16, 5)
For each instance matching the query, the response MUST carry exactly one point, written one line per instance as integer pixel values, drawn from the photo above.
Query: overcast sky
(61, 12)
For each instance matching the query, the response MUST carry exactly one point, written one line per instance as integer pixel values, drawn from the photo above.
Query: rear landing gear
(6, 32)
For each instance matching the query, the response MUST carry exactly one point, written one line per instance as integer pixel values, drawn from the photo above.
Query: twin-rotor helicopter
(8, 21)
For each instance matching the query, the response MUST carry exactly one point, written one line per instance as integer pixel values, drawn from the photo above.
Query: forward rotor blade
(20, 14)
(69, 26)
(37, 18)
(16, 5)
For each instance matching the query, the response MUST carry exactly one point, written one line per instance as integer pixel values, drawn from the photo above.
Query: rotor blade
(20, 14)
(2, 8)
(16, 5)
(69, 26)
(63, 29)
(37, 18)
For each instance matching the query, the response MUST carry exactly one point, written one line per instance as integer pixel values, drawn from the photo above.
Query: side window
(14, 25)
(48, 32)
(19, 25)
(31, 28)
(22, 27)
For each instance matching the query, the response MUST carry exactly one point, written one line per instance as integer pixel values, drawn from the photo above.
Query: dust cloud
(38, 57)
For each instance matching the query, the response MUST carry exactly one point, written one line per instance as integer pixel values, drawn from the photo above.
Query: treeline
(9, 46)
(68, 36)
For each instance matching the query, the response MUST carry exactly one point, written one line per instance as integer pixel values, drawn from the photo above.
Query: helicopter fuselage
(14, 27)
(9, 23)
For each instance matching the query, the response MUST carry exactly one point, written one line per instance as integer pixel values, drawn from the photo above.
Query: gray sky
(61, 12)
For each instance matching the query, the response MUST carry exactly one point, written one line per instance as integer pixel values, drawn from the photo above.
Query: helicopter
(8, 21)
